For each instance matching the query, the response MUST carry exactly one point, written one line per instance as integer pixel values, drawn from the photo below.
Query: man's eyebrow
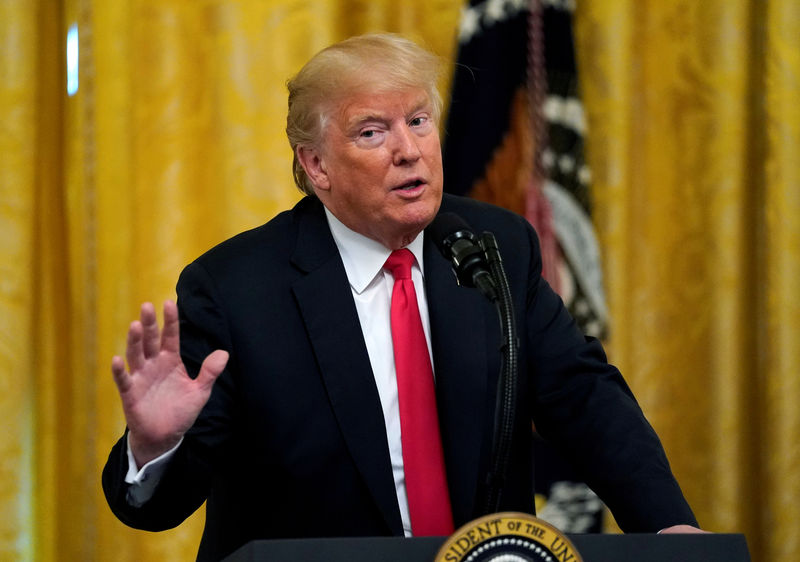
(365, 118)
(370, 115)
(423, 103)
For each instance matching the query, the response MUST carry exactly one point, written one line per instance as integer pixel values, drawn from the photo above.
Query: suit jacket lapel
(326, 304)
(458, 317)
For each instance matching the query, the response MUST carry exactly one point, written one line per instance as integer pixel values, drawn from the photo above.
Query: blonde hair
(376, 62)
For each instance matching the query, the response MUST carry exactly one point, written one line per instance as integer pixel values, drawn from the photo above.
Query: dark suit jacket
(292, 442)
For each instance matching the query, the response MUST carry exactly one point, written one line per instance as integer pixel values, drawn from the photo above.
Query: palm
(159, 399)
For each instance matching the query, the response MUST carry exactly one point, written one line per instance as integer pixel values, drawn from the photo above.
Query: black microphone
(458, 243)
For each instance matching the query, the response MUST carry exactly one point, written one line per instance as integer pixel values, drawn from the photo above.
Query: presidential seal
(508, 537)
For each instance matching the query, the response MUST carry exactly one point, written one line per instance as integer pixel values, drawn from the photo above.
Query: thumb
(212, 366)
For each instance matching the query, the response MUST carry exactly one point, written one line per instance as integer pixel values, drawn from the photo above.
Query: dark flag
(514, 137)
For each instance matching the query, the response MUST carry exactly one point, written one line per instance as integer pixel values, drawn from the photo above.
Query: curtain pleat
(695, 148)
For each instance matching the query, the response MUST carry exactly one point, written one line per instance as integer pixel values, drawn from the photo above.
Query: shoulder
(275, 237)
(480, 216)
(262, 251)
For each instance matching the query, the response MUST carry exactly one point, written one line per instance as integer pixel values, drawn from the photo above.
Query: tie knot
(399, 263)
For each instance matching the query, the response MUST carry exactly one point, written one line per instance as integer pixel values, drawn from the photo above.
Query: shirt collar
(363, 257)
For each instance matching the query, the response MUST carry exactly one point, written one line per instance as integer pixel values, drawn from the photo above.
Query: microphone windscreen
(443, 226)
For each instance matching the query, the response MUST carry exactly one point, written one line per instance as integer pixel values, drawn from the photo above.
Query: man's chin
(404, 232)
(418, 222)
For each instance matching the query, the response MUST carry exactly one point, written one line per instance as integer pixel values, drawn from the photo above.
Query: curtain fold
(695, 148)
(174, 141)
(19, 33)
(781, 275)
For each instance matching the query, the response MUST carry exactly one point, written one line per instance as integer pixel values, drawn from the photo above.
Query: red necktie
(423, 460)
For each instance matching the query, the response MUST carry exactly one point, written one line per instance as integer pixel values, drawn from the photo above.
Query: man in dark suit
(288, 425)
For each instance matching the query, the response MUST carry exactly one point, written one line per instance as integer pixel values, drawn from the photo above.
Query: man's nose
(405, 147)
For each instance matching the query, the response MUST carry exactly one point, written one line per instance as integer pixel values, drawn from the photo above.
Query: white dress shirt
(371, 286)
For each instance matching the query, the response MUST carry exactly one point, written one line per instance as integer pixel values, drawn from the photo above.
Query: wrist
(145, 450)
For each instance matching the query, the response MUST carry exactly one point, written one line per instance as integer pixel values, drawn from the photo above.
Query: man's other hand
(681, 529)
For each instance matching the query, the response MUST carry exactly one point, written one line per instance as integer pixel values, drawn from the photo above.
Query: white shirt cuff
(143, 481)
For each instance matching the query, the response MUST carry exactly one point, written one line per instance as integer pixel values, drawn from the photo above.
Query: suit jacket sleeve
(292, 441)
(583, 406)
(579, 402)
(186, 481)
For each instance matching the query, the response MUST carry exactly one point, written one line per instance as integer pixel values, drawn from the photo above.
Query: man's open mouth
(411, 184)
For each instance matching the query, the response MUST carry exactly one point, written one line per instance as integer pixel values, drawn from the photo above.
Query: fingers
(145, 340)
(170, 336)
(211, 368)
(134, 347)
(682, 529)
(118, 371)
(142, 338)
(151, 343)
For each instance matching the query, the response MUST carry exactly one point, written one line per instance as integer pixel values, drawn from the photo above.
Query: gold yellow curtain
(174, 141)
(695, 145)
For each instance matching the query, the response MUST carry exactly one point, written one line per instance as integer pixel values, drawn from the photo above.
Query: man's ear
(311, 161)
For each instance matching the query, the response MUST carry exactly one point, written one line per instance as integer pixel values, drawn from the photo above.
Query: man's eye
(417, 121)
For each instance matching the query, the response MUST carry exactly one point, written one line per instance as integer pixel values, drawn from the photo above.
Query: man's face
(379, 166)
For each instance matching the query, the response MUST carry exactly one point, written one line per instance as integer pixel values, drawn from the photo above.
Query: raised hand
(160, 400)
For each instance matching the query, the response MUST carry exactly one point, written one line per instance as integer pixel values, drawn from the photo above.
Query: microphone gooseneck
(506, 400)
(477, 263)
